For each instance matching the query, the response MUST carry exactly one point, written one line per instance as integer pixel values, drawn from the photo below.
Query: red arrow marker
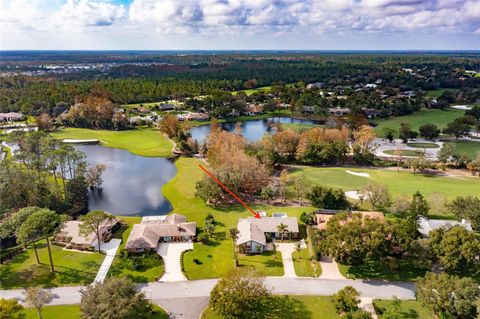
(255, 214)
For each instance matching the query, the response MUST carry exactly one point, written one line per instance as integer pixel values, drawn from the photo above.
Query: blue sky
(240, 24)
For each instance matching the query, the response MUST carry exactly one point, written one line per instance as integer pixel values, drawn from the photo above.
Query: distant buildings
(339, 111)
(254, 233)
(155, 229)
(254, 109)
(11, 117)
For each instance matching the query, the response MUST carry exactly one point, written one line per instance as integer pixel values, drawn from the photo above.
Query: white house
(255, 232)
(426, 225)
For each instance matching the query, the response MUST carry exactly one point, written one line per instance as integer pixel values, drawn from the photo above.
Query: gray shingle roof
(254, 229)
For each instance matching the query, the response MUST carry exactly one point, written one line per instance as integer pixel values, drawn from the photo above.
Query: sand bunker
(354, 195)
(461, 107)
(357, 174)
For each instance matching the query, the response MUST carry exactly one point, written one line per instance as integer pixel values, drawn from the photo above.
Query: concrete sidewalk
(110, 250)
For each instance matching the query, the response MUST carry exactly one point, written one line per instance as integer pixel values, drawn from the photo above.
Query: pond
(252, 130)
(132, 185)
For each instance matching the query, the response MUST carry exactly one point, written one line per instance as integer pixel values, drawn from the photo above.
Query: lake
(132, 184)
(252, 130)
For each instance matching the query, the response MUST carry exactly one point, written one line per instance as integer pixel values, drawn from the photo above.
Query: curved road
(187, 299)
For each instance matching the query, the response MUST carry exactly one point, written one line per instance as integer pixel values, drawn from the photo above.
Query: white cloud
(296, 18)
(87, 13)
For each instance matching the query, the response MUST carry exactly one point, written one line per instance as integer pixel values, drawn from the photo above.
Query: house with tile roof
(156, 229)
(254, 233)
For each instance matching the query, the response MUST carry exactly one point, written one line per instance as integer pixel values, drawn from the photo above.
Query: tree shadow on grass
(281, 307)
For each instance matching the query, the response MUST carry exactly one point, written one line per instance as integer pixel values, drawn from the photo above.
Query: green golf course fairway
(417, 119)
(142, 141)
(398, 183)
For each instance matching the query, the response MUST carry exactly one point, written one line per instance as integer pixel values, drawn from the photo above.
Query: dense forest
(132, 78)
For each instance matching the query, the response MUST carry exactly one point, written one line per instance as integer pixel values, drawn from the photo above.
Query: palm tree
(282, 229)
(234, 235)
(298, 248)
(209, 228)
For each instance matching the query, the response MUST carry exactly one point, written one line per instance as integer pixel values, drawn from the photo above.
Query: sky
(239, 24)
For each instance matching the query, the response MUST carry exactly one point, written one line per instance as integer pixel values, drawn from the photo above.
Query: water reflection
(132, 185)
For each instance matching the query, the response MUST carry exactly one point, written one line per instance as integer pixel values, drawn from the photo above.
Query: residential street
(187, 299)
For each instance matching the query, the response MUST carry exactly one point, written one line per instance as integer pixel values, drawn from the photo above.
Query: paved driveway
(171, 254)
(110, 250)
(329, 269)
(287, 249)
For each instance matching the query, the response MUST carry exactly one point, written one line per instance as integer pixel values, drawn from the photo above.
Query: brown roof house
(254, 233)
(155, 229)
(324, 215)
(70, 234)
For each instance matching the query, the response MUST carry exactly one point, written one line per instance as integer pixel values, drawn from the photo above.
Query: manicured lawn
(73, 312)
(303, 264)
(437, 117)
(265, 89)
(142, 141)
(436, 93)
(313, 307)
(398, 183)
(71, 268)
(409, 309)
(217, 257)
(467, 148)
(268, 263)
(423, 145)
(151, 267)
(402, 152)
(378, 270)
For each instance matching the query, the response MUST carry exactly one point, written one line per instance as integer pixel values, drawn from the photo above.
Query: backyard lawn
(256, 90)
(469, 149)
(379, 270)
(312, 307)
(215, 259)
(71, 268)
(398, 183)
(409, 309)
(73, 311)
(142, 141)
(436, 93)
(151, 266)
(417, 119)
(303, 264)
(268, 263)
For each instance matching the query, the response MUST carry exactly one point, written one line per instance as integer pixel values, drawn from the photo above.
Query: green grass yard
(216, 258)
(151, 268)
(426, 116)
(71, 268)
(436, 93)
(73, 311)
(409, 309)
(471, 149)
(264, 89)
(303, 264)
(268, 263)
(402, 152)
(398, 183)
(142, 141)
(314, 307)
(423, 145)
(381, 270)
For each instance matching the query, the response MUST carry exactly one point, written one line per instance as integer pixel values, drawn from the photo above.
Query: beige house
(155, 229)
(255, 232)
(324, 215)
(70, 234)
